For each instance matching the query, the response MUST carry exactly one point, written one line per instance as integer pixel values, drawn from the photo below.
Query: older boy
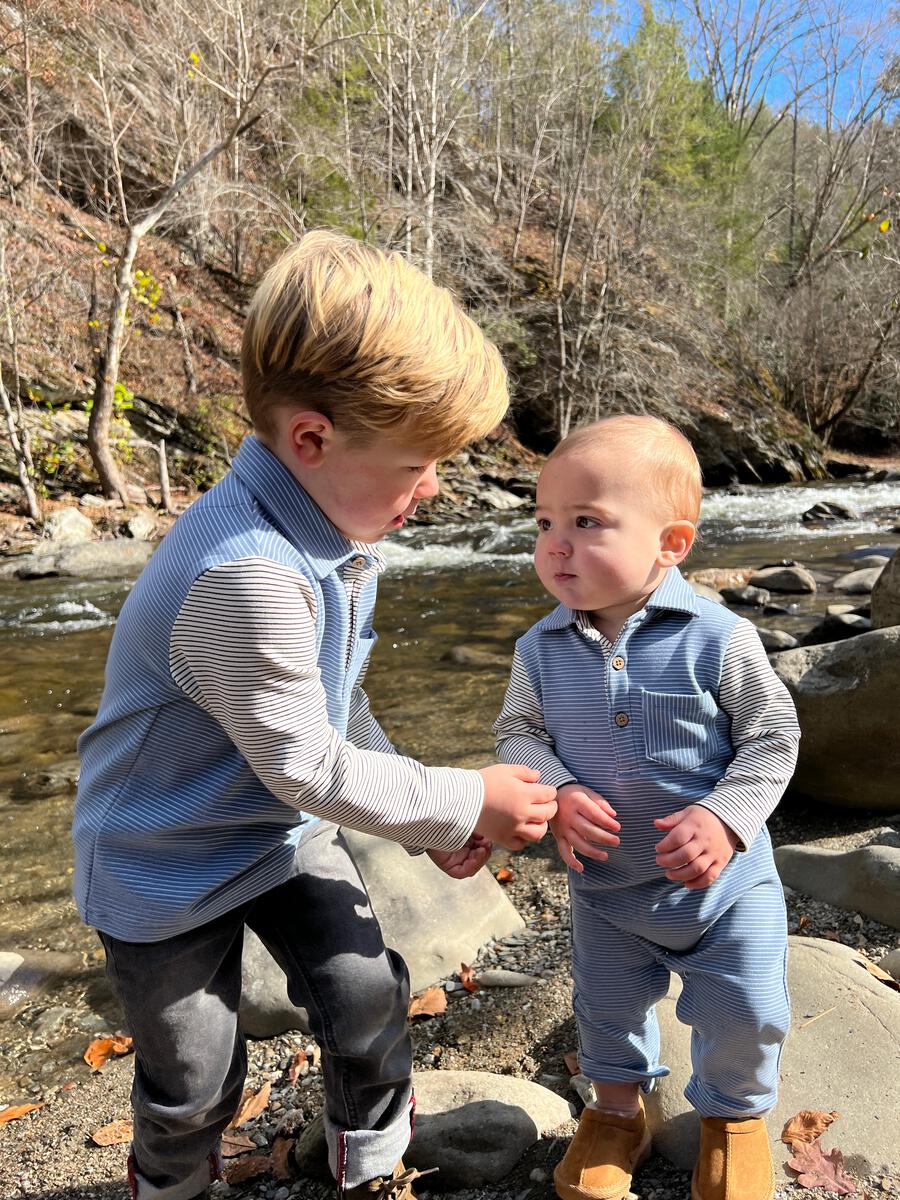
(655, 711)
(233, 735)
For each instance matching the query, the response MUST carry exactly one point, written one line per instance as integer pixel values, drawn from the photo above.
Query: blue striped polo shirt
(232, 715)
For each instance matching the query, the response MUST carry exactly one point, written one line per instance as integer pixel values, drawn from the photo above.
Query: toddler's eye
(416, 470)
(586, 523)
(543, 524)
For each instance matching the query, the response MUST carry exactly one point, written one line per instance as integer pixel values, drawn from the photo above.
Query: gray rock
(845, 1028)
(753, 596)
(838, 610)
(141, 526)
(774, 640)
(88, 500)
(835, 628)
(499, 977)
(707, 592)
(865, 880)
(473, 1126)
(499, 499)
(871, 560)
(829, 511)
(858, 583)
(891, 964)
(105, 560)
(68, 526)
(784, 579)
(24, 974)
(886, 596)
(43, 782)
(846, 700)
(476, 656)
(435, 922)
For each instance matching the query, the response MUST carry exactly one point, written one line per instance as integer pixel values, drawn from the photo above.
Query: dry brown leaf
(504, 875)
(807, 1125)
(281, 1158)
(17, 1110)
(117, 1133)
(879, 973)
(817, 1169)
(803, 922)
(467, 977)
(247, 1168)
(570, 1058)
(101, 1050)
(430, 1003)
(251, 1105)
(234, 1144)
(296, 1065)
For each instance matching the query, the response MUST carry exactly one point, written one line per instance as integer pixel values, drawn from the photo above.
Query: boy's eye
(586, 523)
(417, 470)
(543, 524)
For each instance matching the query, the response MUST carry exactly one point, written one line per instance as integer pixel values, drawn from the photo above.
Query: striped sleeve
(520, 733)
(244, 648)
(765, 734)
(363, 730)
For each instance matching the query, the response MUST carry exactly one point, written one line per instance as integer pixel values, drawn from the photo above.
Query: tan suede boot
(602, 1156)
(735, 1161)
(396, 1186)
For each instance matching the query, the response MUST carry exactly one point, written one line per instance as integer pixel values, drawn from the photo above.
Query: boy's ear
(307, 437)
(675, 543)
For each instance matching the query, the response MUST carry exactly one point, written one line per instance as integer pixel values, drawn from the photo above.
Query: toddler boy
(233, 736)
(657, 716)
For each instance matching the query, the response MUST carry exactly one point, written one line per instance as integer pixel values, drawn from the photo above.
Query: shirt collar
(294, 511)
(674, 594)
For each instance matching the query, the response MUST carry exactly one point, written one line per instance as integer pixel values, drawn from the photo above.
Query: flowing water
(457, 583)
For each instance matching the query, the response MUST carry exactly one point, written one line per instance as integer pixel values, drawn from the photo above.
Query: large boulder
(790, 578)
(865, 880)
(858, 583)
(434, 921)
(886, 596)
(845, 1028)
(473, 1126)
(846, 697)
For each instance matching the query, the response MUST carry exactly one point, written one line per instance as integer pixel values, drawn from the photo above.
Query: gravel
(524, 1031)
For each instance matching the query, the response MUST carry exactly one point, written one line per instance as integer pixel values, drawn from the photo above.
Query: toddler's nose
(429, 484)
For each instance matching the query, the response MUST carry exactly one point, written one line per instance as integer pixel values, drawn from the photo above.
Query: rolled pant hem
(358, 1155)
(727, 1108)
(202, 1177)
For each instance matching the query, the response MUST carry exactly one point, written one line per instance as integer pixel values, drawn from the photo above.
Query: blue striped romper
(684, 708)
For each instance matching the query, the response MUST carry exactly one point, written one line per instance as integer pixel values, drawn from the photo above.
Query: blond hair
(363, 337)
(662, 456)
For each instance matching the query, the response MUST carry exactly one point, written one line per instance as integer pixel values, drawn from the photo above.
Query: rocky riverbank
(522, 1033)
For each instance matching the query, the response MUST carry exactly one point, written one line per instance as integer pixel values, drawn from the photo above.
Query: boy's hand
(697, 847)
(516, 807)
(467, 860)
(584, 822)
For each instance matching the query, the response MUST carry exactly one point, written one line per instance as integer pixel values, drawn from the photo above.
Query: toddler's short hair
(363, 337)
(661, 453)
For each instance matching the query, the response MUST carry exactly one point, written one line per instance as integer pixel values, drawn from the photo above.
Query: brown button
(622, 719)
(618, 662)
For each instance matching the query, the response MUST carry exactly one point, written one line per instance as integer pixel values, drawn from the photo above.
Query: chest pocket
(679, 731)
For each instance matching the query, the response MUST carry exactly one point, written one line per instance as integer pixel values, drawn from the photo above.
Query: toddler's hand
(697, 847)
(584, 822)
(467, 860)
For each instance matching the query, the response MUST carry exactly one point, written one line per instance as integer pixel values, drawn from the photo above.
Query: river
(465, 582)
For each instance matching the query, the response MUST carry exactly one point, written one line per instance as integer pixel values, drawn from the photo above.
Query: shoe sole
(572, 1191)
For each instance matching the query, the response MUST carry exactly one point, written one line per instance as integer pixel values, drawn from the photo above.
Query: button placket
(618, 691)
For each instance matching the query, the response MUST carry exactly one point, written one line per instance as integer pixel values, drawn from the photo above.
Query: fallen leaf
(17, 1110)
(251, 1105)
(430, 1003)
(296, 1065)
(504, 875)
(803, 922)
(879, 973)
(234, 1144)
(117, 1133)
(467, 977)
(816, 1169)
(570, 1058)
(281, 1158)
(807, 1125)
(247, 1168)
(101, 1050)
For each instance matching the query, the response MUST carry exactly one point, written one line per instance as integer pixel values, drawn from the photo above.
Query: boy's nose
(559, 549)
(429, 484)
